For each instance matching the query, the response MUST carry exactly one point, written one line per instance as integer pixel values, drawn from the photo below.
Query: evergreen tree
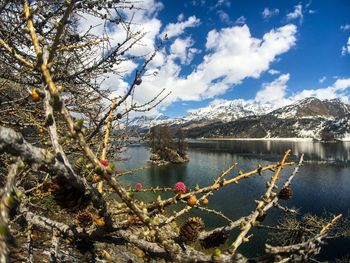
(152, 139)
(166, 142)
(181, 144)
(161, 141)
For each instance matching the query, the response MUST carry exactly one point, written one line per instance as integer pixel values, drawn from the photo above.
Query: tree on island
(181, 143)
(163, 147)
(58, 179)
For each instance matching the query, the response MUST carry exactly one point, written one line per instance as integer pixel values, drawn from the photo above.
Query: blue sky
(267, 51)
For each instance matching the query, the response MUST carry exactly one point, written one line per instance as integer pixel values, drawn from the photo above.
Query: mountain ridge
(306, 118)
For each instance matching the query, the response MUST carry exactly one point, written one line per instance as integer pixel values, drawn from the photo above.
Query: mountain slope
(222, 111)
(229, 110)
(313, 107)
(266, 126)
(308, 118)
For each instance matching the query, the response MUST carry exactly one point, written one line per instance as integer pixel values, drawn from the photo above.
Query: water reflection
(161, 175)
(314, 151)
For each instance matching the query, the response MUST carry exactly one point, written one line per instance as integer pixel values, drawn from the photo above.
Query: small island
(167, 147)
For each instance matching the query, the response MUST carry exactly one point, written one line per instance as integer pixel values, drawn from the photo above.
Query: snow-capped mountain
(313, 107)
(307, 118)
(149, 121)
(222, 111)
(229, 110)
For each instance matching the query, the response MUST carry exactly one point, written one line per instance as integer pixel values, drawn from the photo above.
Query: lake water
(323, 183)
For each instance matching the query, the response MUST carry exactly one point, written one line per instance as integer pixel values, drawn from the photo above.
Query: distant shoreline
(269, 139)
(256, 139)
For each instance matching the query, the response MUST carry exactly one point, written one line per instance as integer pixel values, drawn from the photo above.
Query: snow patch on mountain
(307, 118)
(313, 108)
(229, 110)
(218, 110)
(149, 121)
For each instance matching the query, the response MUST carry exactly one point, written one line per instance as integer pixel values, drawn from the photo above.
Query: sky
(266, 51)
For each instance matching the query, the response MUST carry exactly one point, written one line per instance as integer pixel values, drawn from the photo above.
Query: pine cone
(215, 240)
(68, 195)
(28, 184)
(50, 187)
(84, 219)
(134, 220)
(78, 165)
(285, 193)
(17, 255)
(190, 230)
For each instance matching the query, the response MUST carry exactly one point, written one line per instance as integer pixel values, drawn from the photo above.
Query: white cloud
(345, 27)
(346, 49)
(321, 80)
(267, 13)
(148, 8)
(180, 17)
(117, 85)
(341, 84)
(219, 3)
(296, 14)
(176, 29)
(143, 20)
(181, 48)
(233, 54)
(337, 90)
(147, 43)
(241, 20)
(198, 2)
(273, 92)
(216, 102)
(226, 3)
(158, 60)
(224, 17)
(273, 72)
(191, 53)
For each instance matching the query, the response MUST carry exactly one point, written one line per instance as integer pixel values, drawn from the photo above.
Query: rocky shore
(171, 156)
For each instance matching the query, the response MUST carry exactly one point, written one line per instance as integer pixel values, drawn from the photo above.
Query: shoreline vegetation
(175, 158)
(255, 139)
(296, 139)
(167, 147)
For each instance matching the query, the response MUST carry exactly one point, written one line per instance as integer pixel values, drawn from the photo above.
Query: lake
(323, 183)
